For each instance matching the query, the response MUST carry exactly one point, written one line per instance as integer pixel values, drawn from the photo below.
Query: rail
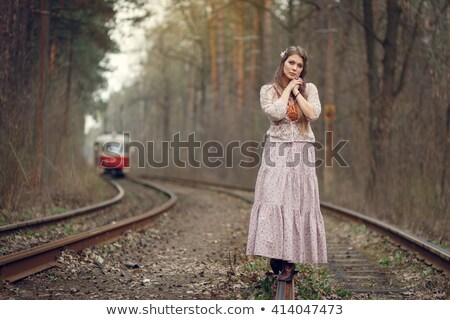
(21, 264)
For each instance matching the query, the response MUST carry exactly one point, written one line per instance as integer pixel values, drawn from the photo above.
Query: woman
(286, 224)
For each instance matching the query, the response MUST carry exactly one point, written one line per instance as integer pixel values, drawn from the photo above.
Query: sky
(125, 65)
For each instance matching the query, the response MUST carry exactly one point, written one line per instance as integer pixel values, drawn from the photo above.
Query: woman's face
(293, 66)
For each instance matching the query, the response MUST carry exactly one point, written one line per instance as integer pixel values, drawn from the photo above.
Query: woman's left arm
(311, 108)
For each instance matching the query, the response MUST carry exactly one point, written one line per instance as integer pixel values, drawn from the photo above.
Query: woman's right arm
(274, 108)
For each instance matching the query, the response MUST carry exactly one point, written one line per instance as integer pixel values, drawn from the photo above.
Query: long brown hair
(279, 76)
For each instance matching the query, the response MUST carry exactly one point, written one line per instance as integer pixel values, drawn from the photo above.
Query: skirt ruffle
(286, 222)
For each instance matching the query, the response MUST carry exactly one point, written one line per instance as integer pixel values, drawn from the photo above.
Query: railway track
(20, 264)
(349, 266)
(14, 227)
(433, 254)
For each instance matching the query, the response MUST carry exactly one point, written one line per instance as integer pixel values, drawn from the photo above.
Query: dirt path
(188, 254)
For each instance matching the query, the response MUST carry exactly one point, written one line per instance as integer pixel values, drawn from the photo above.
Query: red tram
(111, 152)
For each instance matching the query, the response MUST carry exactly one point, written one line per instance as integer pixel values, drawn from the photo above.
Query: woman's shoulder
(268, 88)
(311, 86)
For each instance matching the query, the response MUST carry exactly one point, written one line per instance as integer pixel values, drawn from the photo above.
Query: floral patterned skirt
(286, 222)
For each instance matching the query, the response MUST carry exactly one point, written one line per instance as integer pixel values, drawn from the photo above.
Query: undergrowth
(313, 282)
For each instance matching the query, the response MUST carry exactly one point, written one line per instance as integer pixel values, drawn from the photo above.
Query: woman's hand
(295, 84)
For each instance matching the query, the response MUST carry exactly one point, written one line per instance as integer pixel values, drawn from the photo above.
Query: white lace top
(276, 110)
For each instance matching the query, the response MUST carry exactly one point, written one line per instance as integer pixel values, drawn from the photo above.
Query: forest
(381, 69)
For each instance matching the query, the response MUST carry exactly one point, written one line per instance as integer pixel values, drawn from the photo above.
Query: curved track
(21, 264)
(348, 264)
(69, 214)
(437, 256)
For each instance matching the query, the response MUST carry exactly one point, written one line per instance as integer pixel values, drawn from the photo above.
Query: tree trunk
(267, 42)
(383, 93)
(240, 54)
(203, 77)
(190, 106)
(446, 172)
(253, 79)
(329, 100)
(222, 79)
(43, 75)
(213, 53)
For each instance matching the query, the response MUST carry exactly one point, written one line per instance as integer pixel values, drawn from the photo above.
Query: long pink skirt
(286, 222)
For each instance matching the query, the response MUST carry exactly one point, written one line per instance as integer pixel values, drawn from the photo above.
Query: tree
(385, 83)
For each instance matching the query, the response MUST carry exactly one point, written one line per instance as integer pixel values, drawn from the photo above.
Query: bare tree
(384, 86)
(239, 52)
(43, 79)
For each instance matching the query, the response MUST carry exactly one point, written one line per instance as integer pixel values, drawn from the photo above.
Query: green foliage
(261, 284)
(3, 219)
(315, 284)
(359, 228)
(97, 104)
(25, 215)
(312, 282)
(49, 230)
(68, 228)
(52, 277)
(256, 264)
(399, 256)
(343, 293)
(429, 271)
(56, 210)
(263, 290)
(27, 233)
(85, 29)
(396, 259)
(385, 261)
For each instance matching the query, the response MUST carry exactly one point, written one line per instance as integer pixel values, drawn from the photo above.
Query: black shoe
(276, 265)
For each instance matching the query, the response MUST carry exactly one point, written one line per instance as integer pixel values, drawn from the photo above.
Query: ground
(196, 250)
(189, 253)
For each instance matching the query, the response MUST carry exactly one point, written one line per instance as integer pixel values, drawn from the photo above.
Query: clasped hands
(294, 86)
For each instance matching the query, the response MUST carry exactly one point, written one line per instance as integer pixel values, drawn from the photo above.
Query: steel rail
(193, 181)
(21, 264)
(285, 290)
(433, 254)
(437, 256)
(69, 214)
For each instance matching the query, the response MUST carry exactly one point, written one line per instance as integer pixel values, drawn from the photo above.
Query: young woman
(286, 224)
